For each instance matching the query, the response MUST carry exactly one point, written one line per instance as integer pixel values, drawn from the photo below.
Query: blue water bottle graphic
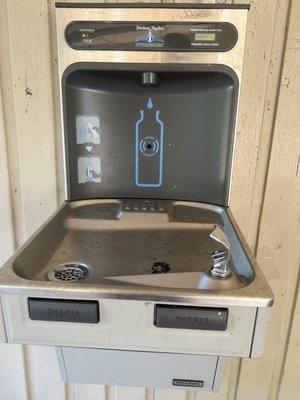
(149, 135)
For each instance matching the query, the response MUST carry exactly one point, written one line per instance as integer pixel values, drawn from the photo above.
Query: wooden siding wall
(265, 196)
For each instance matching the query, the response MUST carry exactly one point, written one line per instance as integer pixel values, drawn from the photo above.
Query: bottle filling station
(142, 277)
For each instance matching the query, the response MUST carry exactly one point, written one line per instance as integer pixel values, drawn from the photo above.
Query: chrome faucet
(220, 268)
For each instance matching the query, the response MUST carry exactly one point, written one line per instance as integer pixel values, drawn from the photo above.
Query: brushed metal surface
(121, 240)
(232, 58)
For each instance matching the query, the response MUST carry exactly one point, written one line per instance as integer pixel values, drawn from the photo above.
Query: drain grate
(160, 267)
(70, 272)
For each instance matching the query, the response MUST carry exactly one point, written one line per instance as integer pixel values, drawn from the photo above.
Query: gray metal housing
(195, 150)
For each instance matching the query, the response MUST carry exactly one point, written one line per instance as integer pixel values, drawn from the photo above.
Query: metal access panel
(172, 140)
(145, 369)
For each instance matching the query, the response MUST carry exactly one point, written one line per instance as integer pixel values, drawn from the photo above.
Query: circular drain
(70, 272)
(160, 268)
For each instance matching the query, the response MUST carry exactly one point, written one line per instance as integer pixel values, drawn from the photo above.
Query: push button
(186, 317)
(84, 311)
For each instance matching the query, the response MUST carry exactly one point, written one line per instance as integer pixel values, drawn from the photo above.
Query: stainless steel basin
(134, 249)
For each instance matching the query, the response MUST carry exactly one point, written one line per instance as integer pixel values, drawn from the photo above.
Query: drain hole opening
(70, 272)
(160, 267)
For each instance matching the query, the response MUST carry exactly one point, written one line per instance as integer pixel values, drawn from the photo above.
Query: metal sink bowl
(135, 249)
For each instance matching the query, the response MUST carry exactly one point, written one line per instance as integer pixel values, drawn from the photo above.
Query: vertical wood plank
(32, 96)
(26, 79)
(278, 249)
(6, 221)
(174, 394)
(12, 365)
(12, 372)
(261, 76)
(44, 374)
(13, 384)
(10, 123)
(290, 383)
(262, 61)
(262, 64)
(276, 45)
(86, 392)
(129, 393)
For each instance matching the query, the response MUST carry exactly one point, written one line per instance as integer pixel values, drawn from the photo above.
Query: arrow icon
(89, 148)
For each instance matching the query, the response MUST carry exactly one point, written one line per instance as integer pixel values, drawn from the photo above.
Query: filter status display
(209, 37)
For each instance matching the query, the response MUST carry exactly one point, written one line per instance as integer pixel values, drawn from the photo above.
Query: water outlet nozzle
(220, 268)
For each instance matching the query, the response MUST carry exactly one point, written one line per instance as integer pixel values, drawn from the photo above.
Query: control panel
(197, 36)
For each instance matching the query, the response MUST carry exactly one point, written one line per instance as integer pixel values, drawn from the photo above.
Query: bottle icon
(89, 169)
(149, 132)
(150, 37)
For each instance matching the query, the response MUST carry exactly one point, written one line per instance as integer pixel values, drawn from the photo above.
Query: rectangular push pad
(187, 317)
(84, 311)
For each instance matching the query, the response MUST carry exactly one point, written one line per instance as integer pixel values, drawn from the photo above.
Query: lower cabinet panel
(138, 368)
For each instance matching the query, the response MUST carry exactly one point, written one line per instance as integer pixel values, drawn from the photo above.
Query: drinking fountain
(142, 277)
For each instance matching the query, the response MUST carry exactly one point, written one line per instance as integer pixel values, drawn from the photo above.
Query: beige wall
(265, 198)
